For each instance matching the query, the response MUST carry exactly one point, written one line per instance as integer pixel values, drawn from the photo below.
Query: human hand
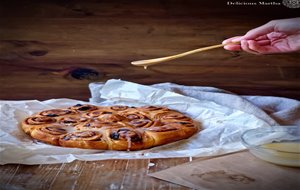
(276, 36)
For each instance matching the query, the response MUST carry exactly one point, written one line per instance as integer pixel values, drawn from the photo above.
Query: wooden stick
(149, 62)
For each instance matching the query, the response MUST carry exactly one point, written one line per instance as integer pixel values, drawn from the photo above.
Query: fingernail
(224, 42)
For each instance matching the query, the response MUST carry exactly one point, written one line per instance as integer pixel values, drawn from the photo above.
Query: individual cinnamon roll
(55, 112)
(53, 130)
(164, 128)
(72, 120)
(105, 115)
(38, 120)
(97, 113)
(169, 116)
(140, 123)
(83, 107)
(49, 134)
(128, 139)
(166, 133)
(125, 133)
(134, 115)
(153, 108)
(189, 127)
(97, 123)
(111, 117)
(83, 139)
(33, 122)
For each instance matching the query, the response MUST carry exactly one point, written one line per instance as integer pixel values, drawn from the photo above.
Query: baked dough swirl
(115, 127)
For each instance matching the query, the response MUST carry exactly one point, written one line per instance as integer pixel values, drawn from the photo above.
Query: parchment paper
(222, 127)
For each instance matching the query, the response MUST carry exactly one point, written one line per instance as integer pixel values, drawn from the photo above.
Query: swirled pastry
(109, 127)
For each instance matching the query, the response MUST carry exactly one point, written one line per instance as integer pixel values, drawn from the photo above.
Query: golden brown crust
(83, 108)
(166, 133)
(83, 139)
(56, 112)
(127, 139)
(48, 134)
(109, 127)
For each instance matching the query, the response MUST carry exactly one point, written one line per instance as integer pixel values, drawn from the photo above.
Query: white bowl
(278, 145)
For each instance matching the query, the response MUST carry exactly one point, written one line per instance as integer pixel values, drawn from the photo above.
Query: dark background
(54, 49)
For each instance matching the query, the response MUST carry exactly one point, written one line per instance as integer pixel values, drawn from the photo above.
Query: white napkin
(283, 111)
(223, 116)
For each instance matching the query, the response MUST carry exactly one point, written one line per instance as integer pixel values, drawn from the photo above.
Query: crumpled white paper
(222, 127)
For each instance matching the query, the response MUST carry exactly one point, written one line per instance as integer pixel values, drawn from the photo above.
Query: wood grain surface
(54, 49)
(107, 174)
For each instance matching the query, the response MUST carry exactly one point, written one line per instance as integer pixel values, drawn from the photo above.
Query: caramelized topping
(83, 135)
(132, 116)
(119, 108)
(186, 123)
(153, 108)
(140, 122)
(95, 113)
(111, 117)
(82, 108)
(98, 113)
(54, 130)
(164, 128)
(72, 120)
(40, 120)
(125, 134)
(96, 123)
(172, 116)
(55, 112)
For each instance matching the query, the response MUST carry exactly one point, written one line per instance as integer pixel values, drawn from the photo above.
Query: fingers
(229, 40)
(258, 48)
(255, 41)
(230, 45)
(255, 47)
(263, 37)
(263, 42)
(259, 31)
(246, 47)
(233, 47)
(250, 46)
(261, 49)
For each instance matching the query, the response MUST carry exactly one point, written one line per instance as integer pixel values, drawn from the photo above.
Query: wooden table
(54, 49)
(108, 174)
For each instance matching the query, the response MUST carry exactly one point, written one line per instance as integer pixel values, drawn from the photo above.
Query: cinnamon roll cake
(109, 127)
